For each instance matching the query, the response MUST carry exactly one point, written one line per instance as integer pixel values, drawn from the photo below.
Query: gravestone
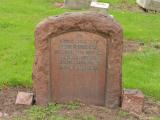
(99, 7)
(77, 4)
(78, 57)
(149, 4)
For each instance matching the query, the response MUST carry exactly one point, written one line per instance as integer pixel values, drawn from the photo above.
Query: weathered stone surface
(24, 98)
(149, 4)
(133, 101)
(1, 114)
(78, 57)
(77, 4)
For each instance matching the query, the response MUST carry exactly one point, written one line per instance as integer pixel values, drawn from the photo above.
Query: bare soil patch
(8, 97)
(133, 7)
(58, 4)
(151, 111)
(128, 7)
(100, 113)
(132, 46)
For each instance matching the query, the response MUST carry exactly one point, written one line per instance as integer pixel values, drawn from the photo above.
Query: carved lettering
(78, 55)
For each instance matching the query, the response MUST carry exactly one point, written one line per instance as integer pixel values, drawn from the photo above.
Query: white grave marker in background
(99, 6)
(149, 4)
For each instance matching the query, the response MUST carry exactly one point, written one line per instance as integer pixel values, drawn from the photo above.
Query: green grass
(52, 112)
(117, 2)
(42, 113)
(18, 19)
(72, 106)
(141, 71)
(139, 26)
(156, 118)
(122, 113)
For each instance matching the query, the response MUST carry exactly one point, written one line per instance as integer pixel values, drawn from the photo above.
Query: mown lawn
(18, 19)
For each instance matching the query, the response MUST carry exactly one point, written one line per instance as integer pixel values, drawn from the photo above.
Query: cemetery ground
(141, 58)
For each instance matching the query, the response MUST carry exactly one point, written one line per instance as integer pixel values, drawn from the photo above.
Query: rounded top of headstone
(87, 21)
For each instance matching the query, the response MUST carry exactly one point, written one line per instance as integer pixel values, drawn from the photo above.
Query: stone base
(133, 101)
(24, 98)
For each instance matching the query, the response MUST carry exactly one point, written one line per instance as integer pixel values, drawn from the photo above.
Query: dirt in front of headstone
(77, 112)
(8, 99)
(151, 111)
(95, 113)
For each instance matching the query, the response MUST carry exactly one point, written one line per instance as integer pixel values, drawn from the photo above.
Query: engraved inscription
(78, 67)
(78, 55)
